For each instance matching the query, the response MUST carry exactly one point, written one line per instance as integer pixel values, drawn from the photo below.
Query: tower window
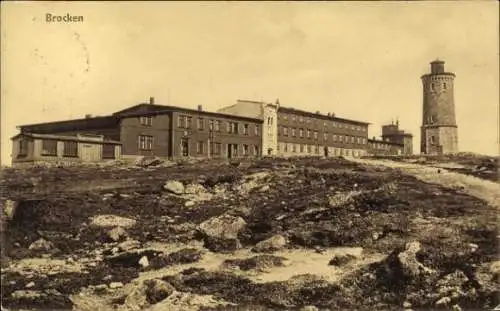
(433, 139)
(444, 85)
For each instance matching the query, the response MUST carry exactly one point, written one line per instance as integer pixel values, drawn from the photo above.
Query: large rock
(107, 221)
(41, 245)
(410, 265)
(274, 243)
(174, 186)
(147, 293)
(116, 234)
(223, 227)
(221, 233)
(194, 189)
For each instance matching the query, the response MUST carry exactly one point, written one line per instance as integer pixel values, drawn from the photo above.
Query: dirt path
(483, 189)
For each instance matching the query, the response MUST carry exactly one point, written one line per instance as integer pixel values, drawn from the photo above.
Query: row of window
(146, 143)
(285, 131)
(216, 125)
(216, 149)
(316, 149)
(70, 149)
(325, 123)
(379, 146)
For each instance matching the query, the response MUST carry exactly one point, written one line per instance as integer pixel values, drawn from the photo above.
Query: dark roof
(70, 125)
(151, 109)
(67, 138)
(318, 116)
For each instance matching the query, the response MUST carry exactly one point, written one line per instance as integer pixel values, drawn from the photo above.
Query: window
(359, 140)
(285, 131)
(235, 149)
(334, 137)
(232, 127)
(341, 138)
(433, 140)
(23, 148)
(316, 149)
(293, 132)
(315, 134)
(285, 147)
(309, 149)
(148, 120)
(364, 141)
(352, 139)
(301, 148)
(184, 122)
(145, 142)
(215, 148)
(211, 125)
(257, 130)
(71, 149)
(334, 124)
(301, 133)
(308, 133)
(199, 147)
(325, 136)
(108, 151)
(245, 129)
(228, 127)
(256, 150)
(217, 125)
(201, 124)
(285, 117)
(301, 119)
(293, 118)
(49, 147)
(444, 85)
(245, 150)
(293, 148)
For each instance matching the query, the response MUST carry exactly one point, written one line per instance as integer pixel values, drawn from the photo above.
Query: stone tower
(439, 127)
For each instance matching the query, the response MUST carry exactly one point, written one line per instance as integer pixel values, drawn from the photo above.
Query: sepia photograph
(250, 155)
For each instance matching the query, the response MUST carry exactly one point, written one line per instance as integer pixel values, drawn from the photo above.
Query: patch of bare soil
(301, 213)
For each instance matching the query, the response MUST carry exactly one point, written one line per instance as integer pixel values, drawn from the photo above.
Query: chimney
(200, 108)
(333, 114)
(329, 114)
(88, 116)
(151, 100)
(317, 111)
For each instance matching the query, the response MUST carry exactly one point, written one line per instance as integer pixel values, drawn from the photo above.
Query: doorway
(326, 151)
(185, 147)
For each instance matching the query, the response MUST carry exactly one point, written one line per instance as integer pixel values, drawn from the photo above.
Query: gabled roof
(66, 138)
(70, 125)
(152, 109)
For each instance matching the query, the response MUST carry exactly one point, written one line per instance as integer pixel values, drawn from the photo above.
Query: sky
(360, 60)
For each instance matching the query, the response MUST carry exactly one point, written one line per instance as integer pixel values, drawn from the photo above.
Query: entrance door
(326, 151)
(185, 147)
(229, 151)
(89, 153)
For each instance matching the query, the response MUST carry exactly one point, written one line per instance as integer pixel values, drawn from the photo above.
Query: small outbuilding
(31, 149)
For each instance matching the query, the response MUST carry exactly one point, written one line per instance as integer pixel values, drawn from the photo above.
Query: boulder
(309, 308)
(194, 189)
(116, 234)
(144, 261)
(41, 245)
(114, 285)
(341, 259)
(174, 186)
(189, 204)
(107, 221)
(148, 292)
(223, 227)
(274, 243)
(410, 265)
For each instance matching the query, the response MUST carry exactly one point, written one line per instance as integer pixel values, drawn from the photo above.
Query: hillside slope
(279, 234)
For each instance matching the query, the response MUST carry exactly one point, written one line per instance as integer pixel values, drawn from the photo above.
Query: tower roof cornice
(438, 74)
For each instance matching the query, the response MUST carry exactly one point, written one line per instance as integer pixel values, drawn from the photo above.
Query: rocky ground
(270, 234)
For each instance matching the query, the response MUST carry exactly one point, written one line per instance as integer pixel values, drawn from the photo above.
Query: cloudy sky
(361, 60)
